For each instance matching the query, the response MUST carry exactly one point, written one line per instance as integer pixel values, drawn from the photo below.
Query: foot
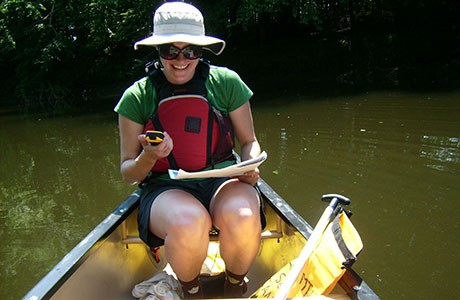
(194, 294)
(235, 290)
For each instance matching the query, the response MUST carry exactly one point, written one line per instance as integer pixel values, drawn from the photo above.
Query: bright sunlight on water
(396, 155)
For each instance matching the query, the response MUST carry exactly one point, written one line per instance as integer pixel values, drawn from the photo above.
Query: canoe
(111, 259)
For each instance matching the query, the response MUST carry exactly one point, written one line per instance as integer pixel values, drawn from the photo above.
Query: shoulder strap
(337, 231)
(165, 89)
(171, 159)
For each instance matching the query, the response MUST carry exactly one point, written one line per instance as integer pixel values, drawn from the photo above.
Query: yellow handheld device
(154, 137)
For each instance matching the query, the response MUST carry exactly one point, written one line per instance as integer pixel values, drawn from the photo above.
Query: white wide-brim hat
(180, 22)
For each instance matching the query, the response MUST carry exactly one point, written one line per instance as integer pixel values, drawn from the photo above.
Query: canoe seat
(213, 234)
(268, 234)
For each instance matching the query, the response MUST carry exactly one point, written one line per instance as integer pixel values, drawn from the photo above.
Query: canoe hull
(111, 259)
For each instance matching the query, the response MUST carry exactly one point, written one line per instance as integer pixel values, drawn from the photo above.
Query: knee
(242, 220)
(236, 210)
(191, 224)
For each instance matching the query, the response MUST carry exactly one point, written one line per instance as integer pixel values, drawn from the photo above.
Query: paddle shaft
(288, 289)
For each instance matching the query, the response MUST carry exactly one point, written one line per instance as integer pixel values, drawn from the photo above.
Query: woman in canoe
(199, 108)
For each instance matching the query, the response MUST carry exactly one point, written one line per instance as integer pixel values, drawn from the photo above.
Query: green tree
(56, 53)
(55, 49)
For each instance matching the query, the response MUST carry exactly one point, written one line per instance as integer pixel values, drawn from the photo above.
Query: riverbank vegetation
(58, 55)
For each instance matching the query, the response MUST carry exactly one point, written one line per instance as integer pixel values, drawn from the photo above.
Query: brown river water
(395, 154)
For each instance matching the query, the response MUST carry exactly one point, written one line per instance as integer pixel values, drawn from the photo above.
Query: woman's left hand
(250, 177)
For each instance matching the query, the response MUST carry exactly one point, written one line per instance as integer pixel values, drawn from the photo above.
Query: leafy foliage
(61, 47)
(56, 53)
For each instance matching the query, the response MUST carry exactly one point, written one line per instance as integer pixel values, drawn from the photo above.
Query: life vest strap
(209, 154)
(172, 161)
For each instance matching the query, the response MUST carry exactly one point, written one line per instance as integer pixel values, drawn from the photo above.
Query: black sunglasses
(170, 52)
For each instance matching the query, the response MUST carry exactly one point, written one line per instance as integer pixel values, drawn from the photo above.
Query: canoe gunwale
(352, 283)
(284, 210)
(57, 276)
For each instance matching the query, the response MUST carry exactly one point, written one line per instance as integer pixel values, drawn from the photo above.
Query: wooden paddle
(292, 282)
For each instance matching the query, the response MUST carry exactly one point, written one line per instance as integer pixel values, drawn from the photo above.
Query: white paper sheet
(233, 170)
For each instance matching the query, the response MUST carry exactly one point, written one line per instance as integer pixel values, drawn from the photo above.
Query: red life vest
(202, 135)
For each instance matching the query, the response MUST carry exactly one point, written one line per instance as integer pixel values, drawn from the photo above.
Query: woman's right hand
(158, 151)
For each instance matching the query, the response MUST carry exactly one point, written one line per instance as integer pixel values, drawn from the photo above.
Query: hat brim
(215, 45)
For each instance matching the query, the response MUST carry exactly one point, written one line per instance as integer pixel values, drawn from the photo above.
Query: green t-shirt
(225, 91)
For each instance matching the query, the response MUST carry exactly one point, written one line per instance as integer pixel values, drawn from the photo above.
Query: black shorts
(203, 190)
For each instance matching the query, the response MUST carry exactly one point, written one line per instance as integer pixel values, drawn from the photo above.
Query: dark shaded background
(64, 55)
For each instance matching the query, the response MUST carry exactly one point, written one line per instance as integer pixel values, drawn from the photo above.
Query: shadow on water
(396, 155)
(59, 178)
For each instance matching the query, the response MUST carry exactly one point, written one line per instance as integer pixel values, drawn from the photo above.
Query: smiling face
(179, 70)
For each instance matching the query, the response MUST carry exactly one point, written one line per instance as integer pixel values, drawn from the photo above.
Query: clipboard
(233, 170)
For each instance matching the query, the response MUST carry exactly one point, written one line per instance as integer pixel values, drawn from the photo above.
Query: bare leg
(183, 222)
(235, 211)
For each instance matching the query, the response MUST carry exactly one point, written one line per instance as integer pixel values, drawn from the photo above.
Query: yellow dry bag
(337, 251)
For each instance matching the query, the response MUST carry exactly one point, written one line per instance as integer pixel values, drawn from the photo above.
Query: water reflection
(395, 155)
(442, 151)
(59, 178)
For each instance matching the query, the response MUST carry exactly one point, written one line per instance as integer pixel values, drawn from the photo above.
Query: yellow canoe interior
(108, 266)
